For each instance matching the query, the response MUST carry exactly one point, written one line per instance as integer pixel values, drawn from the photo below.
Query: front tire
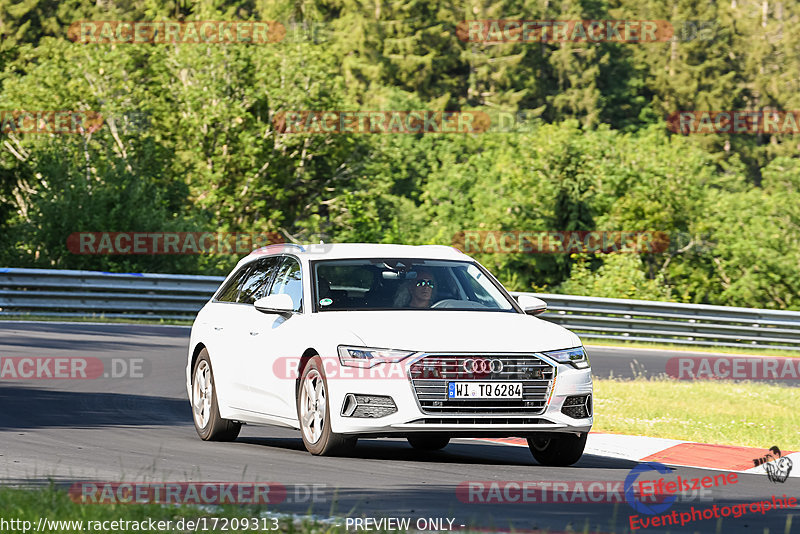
(428, 442)
(557, 450)
(205, 410)
(313, 412)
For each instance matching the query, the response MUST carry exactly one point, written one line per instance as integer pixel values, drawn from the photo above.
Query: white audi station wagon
(364, 340)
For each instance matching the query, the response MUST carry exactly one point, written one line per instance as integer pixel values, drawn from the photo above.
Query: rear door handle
(254, 333)
(218, 328)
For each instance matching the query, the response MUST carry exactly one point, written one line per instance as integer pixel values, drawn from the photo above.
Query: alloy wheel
(313, 404)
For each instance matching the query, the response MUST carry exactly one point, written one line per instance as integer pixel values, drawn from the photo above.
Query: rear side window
(257, 282)
(231, 289)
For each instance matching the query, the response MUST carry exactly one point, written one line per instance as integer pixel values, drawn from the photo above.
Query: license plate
(484, 390)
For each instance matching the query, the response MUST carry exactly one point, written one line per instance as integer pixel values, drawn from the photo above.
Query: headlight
(369, 357)
(576, 356)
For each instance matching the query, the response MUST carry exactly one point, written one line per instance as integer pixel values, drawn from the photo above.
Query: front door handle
(218, 328)
(254, 333)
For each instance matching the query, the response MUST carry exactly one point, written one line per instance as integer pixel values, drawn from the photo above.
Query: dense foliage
(593, 153)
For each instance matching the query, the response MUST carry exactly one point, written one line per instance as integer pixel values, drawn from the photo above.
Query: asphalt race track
(140, 429)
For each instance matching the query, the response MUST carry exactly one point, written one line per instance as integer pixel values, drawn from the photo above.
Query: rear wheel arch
(208, 423)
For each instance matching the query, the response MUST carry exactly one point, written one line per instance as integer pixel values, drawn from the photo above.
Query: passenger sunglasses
(426, 282)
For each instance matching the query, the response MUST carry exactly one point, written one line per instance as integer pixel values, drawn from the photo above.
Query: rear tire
(428, 442)
(205, 410)
(313, 412)
(557, 450)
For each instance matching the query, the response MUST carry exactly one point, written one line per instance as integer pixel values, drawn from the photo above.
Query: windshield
(405, 284)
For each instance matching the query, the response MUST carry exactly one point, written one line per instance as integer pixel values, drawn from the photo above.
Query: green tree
(621, 275)
(756, 246)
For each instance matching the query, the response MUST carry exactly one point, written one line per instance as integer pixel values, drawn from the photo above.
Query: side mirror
(281, 304)
(531, 305)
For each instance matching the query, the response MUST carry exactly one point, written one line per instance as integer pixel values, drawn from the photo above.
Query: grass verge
(52, 505)
(684, 348)
(750, 414)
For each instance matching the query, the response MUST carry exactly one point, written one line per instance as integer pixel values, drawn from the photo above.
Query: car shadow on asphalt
(29, 408)
(458, 452)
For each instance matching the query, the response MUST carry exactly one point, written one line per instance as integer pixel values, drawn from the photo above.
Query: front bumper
(547, 385)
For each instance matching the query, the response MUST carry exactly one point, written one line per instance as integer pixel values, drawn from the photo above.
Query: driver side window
(289, 281)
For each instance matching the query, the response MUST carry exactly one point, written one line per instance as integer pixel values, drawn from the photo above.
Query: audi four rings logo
(482, 366)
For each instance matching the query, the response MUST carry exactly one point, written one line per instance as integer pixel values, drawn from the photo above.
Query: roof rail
(275, 246)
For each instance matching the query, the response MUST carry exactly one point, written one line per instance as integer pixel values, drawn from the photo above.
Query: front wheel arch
(301, 367)
(196, 354)
(328, 442)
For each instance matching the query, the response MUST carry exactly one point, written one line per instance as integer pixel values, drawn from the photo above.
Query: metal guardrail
(672, 322)
(62, 293)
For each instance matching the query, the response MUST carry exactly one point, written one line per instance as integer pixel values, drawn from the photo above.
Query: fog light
(578, 406)
(367, 405)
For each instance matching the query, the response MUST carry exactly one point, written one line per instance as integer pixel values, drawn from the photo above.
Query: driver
(416, 293)
(422, 290)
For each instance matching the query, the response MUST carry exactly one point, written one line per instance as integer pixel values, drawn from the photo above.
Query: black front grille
(482, 421)
(431, 374)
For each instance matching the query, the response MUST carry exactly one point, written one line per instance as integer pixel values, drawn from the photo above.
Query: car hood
(443, 331)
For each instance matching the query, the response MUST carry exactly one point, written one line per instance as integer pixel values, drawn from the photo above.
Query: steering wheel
(456, 303)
